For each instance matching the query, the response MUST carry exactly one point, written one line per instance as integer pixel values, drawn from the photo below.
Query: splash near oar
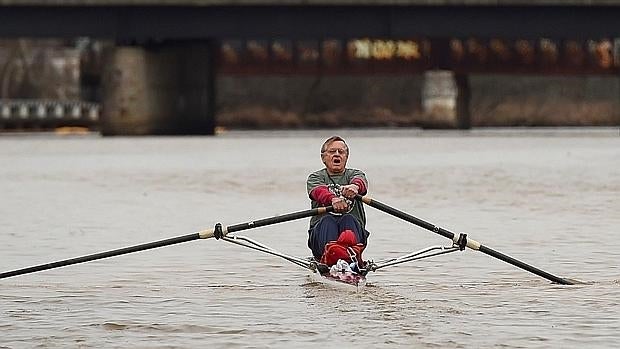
(218, 232)
(462, 240)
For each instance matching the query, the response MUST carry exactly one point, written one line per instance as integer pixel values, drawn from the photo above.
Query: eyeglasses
(336, 150)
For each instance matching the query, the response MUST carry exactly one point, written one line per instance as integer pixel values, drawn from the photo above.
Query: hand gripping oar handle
(204, 234)
(473, 244)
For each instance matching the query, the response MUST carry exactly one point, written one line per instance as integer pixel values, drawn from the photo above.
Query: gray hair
(331, 140)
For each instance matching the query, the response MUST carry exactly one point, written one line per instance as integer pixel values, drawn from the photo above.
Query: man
(342, 234)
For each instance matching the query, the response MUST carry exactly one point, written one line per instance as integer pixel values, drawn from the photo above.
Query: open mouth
(336, 161)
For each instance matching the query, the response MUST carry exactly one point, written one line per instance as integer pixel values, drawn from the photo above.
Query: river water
(550, 198)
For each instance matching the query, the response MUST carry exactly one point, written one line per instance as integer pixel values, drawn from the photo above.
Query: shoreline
(520, 131)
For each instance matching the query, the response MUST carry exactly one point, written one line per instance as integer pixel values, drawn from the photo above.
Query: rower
(341, 234)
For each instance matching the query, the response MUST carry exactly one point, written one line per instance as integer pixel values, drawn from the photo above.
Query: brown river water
(550, 198)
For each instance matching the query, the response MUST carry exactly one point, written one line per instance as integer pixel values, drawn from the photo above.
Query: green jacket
(333, 183)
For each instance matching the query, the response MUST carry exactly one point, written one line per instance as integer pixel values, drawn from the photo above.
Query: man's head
(334, 154)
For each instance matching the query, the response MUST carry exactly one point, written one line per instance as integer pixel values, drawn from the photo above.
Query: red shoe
(347, 238)
(344, 248)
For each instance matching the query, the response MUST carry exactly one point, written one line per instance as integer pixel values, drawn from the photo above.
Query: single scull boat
(355, 276)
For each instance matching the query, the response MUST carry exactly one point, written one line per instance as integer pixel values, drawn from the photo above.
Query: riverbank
(396, 101)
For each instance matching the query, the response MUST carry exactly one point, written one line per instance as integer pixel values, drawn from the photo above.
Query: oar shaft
(101, 255)
(279, 219)
(475, 245)
(532, 269)
(204, 234)
(406, 217)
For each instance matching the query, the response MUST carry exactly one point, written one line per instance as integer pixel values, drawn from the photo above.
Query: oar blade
(101, 255)
(501, 256)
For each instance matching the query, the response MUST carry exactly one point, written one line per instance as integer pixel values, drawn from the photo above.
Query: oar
(473, 244)
(216, 232)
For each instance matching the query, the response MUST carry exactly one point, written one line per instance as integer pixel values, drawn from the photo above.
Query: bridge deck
(154, 23)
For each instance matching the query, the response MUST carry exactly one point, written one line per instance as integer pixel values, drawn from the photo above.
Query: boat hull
(340, 280)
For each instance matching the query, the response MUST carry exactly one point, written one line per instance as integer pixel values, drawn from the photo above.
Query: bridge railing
(541, 56)
(47, 114)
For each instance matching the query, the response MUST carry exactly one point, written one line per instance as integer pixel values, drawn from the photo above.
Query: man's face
(335, 156)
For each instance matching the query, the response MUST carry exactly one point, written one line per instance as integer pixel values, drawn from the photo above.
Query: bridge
(160, 77)
(45, 114)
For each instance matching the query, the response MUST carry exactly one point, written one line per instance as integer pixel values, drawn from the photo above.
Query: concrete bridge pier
(446, 100)
(463, 99)
(159, 89)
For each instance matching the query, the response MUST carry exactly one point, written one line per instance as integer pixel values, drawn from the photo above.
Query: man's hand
(339, 204)
(349, 191)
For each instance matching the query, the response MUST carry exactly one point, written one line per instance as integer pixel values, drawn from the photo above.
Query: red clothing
(323, 196)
